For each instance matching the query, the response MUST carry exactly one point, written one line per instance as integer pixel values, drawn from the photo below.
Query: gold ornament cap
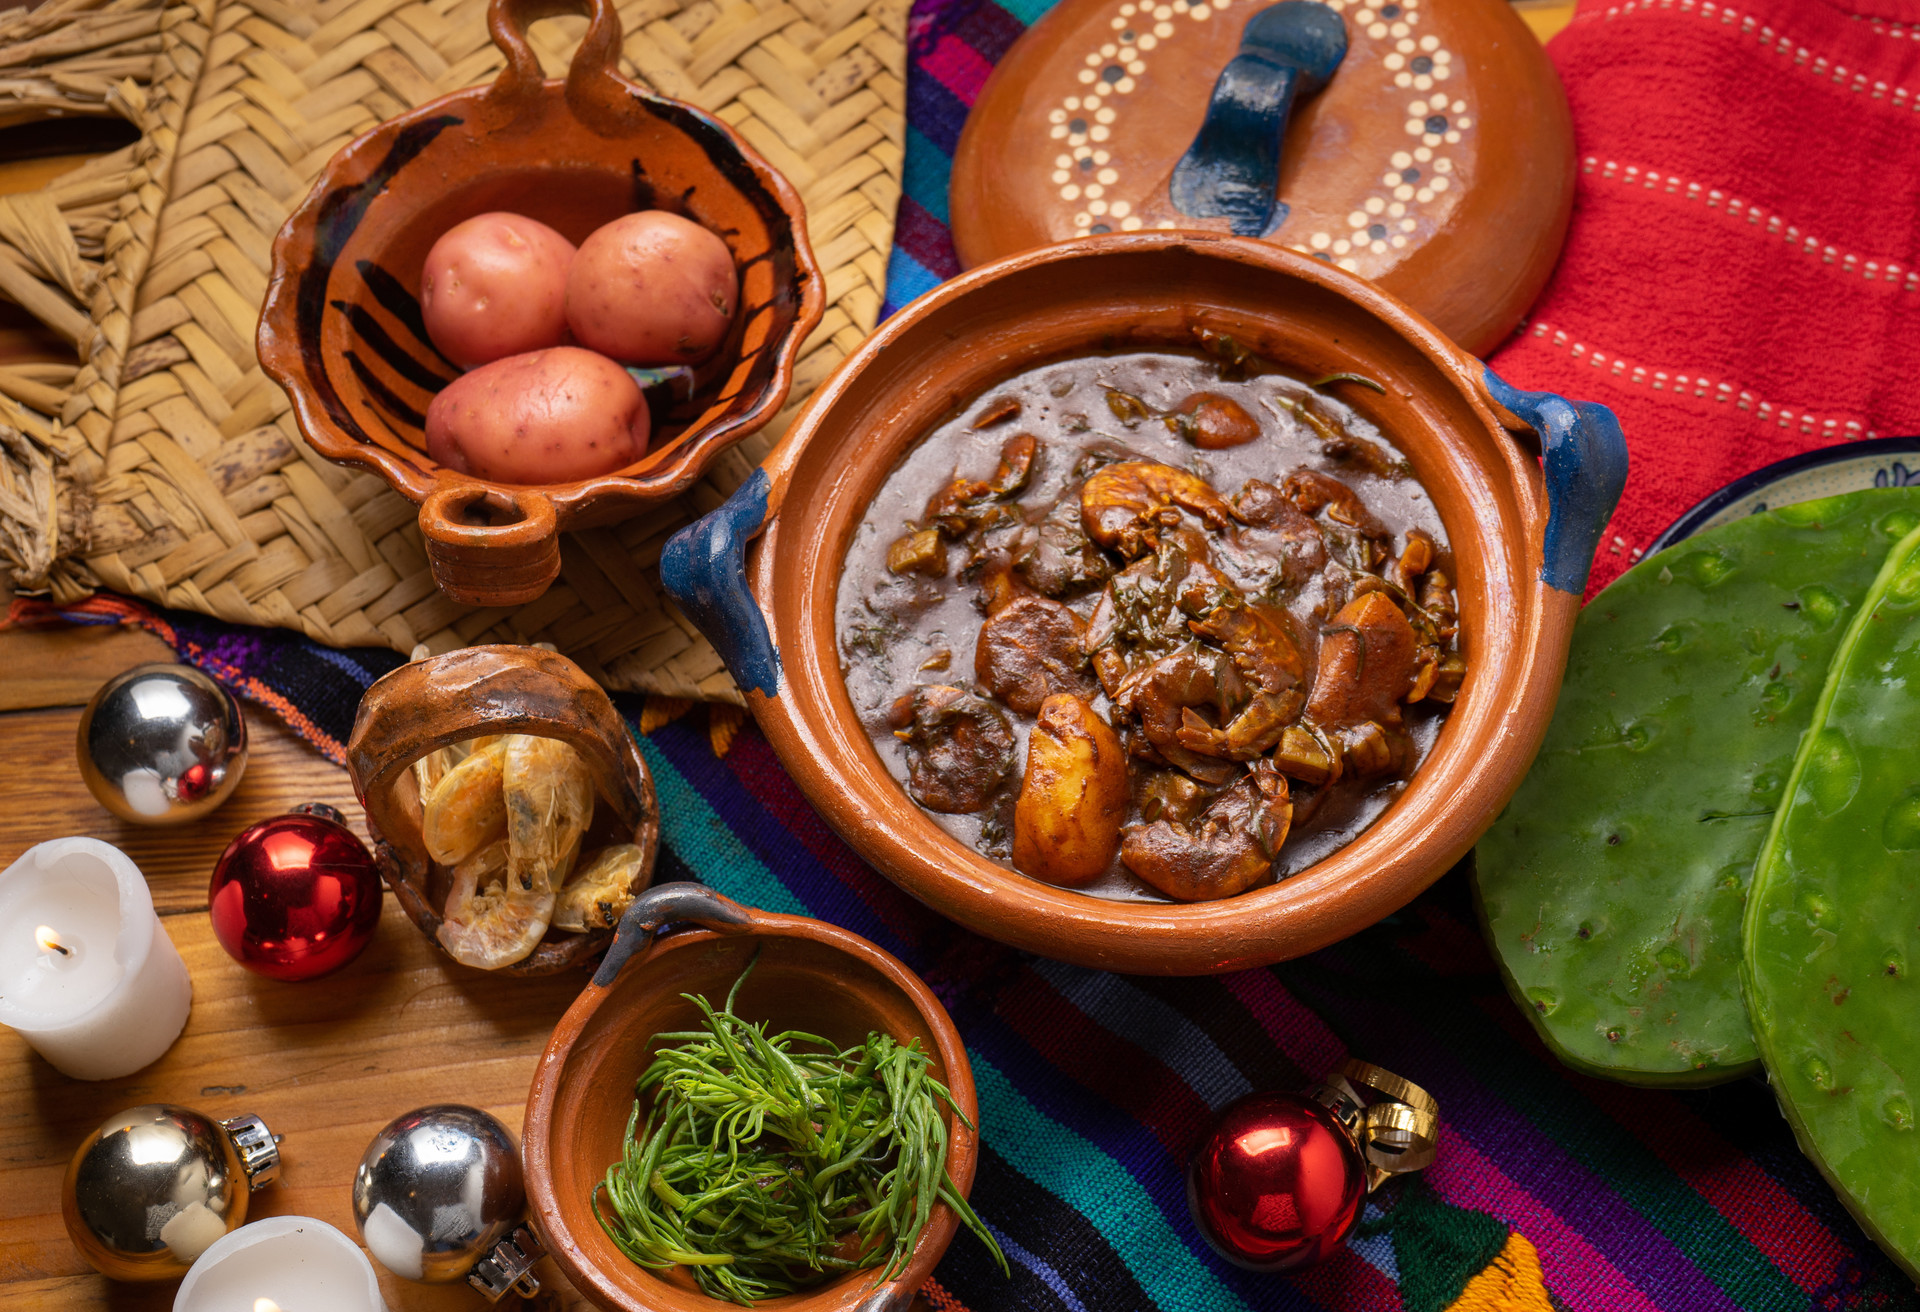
(154, 1186)
(1393, 1122)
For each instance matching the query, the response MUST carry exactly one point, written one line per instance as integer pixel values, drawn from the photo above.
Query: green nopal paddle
(1613, 885)
(1832, 929)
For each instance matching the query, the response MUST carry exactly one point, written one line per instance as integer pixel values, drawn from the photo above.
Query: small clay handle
(507, 563)
(704, 569)
(597, 94)
(1585, 457)
(476, 692)
(682, 900)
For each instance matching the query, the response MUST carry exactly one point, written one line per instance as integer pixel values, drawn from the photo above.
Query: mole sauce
(899, 631)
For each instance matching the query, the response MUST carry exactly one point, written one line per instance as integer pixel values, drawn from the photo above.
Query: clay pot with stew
(1522, 484)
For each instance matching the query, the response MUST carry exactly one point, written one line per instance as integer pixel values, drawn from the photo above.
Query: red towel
(1742, 278)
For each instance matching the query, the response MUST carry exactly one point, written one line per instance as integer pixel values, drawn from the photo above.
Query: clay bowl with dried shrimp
(1521, 484)
(567, 802)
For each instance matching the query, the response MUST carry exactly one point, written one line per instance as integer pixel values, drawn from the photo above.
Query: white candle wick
(50, 942)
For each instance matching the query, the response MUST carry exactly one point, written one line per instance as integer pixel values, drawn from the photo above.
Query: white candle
(292, 1263)
(88, 976)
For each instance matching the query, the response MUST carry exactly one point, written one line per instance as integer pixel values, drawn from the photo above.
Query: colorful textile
(1742, 278)
(315, 690)
(1551, 1191)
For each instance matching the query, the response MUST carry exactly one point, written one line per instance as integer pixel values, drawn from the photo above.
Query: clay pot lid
(1437, 161)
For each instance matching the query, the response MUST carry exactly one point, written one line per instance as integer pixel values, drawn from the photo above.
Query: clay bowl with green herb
(831, 1077)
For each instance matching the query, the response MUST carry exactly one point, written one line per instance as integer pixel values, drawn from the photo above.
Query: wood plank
(66, 666)
(17, 175)
(47, 799)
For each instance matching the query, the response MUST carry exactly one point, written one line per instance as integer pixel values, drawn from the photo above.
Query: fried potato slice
(1066, 823)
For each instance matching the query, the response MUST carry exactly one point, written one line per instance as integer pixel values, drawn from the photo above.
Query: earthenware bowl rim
(278, 337)
(543, 1095)
(989, 897)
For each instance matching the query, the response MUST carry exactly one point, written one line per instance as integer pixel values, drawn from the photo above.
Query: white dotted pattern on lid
(1086, 119)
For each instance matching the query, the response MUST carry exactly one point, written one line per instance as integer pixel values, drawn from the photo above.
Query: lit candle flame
(50, 942)
(265, 1305)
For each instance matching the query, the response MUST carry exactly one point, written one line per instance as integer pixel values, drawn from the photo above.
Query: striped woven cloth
(1551, 1191)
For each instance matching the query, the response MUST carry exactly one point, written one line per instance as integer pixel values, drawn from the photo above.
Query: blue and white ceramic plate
(1849, 467)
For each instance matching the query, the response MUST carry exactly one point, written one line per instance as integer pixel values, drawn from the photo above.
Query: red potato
(552, 416)
(652, 289)
(496, 286)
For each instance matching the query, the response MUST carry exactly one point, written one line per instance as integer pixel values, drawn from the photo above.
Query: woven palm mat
(169, 467)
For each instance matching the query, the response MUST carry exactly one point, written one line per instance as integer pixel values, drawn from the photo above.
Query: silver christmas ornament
(162, 744)
(153, 1187)
(438, 1196)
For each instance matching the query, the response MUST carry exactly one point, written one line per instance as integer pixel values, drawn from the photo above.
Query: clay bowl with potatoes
(343, 329)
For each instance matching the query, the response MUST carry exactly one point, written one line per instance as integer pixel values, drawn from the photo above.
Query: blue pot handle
(1232, 169)
(704, 569)
(1586, 467)
(704, 565)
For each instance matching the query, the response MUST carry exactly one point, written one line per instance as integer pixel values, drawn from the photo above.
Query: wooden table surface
(325, 1063)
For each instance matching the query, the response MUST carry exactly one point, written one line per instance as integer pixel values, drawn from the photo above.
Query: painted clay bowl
(1826, 472)
(810, 976)
(1522, 540)
(1424, 145)
(341, 329)
(443, 700)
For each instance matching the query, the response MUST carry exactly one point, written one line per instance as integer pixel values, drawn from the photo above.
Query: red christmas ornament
(1278, 1182)
(195, 780)
(295, 897)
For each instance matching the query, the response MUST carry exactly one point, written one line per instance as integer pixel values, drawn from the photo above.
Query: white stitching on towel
(1870, 268)
(1688, 383)
(1887, 27)
(1778, 43)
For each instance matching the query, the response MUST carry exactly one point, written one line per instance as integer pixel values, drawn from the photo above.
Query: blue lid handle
(1232, 169)
(1585, 456)
(704, 569)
